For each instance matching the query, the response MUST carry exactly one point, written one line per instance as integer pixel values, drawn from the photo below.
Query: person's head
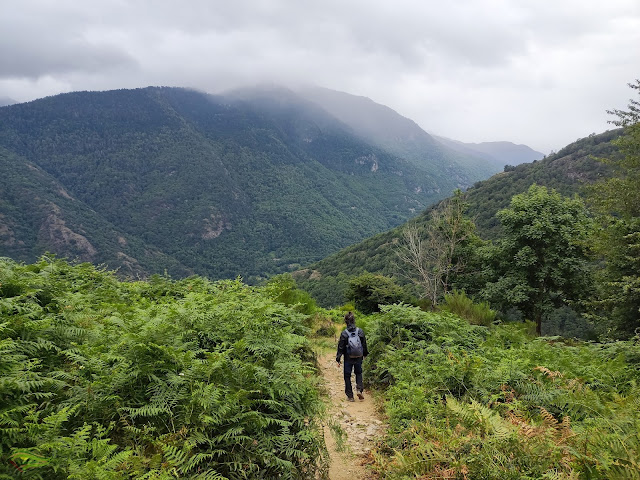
(350, 320)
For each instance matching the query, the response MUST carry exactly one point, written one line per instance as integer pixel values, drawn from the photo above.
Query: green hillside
(567, 171)
(37, 213)
(165, 179)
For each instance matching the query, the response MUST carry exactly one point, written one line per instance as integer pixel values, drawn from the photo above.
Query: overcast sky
(538, 72)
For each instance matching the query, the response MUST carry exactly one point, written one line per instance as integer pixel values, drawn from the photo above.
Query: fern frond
(548, 419)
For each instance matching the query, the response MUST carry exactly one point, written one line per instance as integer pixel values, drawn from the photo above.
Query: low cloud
(540, 73)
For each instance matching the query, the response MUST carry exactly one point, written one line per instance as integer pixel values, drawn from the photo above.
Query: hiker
(353, 345)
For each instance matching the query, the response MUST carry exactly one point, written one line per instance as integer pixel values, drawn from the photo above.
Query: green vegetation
(537, 255)
(458, 303)
(485, 398)
(369, 291)
(568, 172)
(159, 379)
(540, 263)
(617, 200)
(433, 255)
(164, 179)
(156, 379)
(465, 401)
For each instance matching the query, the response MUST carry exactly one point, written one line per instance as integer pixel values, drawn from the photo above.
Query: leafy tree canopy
(541, 260)
(368, 291)
(618, 202)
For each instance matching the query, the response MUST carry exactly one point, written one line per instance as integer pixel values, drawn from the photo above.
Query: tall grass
(459, 304)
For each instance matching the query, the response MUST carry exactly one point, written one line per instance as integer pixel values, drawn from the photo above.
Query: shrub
(368, 291)
(464, 401)
(459, 304)
(159, 379)
(283, 289)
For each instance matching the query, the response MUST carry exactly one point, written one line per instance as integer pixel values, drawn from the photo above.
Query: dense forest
(250, 184)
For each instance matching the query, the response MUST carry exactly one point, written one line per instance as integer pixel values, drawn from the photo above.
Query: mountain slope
(498, 153)
(245, 184)
(567, 171)
(401, 136)
(37, 213)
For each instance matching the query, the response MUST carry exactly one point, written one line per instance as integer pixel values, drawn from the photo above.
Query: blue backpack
(354, 345)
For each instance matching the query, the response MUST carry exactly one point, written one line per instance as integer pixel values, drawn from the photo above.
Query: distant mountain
(251, 183)
(567, 171)
(498, 153)
(403, 137)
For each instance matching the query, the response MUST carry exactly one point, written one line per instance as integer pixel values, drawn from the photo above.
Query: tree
(541, 261)
(283, 289)
(431, 256)
(368, 291)
(618, 202)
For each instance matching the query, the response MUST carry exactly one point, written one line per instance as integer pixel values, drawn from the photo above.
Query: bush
(464, 401)
(459, 304)
(158, 379)
(368, 291)
(283, 289)
(324, 325)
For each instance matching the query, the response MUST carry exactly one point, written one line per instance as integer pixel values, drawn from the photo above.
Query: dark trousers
(352, 364)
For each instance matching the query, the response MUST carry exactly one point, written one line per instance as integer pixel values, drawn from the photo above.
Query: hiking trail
(358, 420)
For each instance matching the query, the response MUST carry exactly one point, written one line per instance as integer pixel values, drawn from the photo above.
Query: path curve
(358, 420)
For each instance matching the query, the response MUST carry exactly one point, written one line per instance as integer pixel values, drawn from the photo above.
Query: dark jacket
(344, 339)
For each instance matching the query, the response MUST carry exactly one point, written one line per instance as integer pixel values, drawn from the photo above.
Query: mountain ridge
(401, 136)
(188, 182)
(500, 153)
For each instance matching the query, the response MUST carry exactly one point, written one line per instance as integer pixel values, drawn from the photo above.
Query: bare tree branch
(428, 254)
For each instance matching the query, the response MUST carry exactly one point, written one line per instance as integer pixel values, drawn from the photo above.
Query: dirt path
(358, 421)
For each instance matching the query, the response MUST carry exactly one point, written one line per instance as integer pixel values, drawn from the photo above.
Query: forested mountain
(38, 213)
(382, 126)
(567, 171)
(162, 179)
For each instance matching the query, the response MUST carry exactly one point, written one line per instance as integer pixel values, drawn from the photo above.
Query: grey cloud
(32, 46)
(463, 69)
(50, 58)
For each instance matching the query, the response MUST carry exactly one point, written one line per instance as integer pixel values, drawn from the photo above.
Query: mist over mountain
(401, 136)
(251, 183)
(4, 101)
(498, 153)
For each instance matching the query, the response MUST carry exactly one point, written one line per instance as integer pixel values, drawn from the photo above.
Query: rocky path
(358, 421)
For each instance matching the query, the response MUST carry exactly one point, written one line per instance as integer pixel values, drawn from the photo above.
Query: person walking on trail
(353, 345)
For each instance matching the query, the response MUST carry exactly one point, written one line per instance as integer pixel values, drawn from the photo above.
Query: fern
(506, 407)
(158, 379)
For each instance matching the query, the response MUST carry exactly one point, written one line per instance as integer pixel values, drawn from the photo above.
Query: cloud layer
(541, 73)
